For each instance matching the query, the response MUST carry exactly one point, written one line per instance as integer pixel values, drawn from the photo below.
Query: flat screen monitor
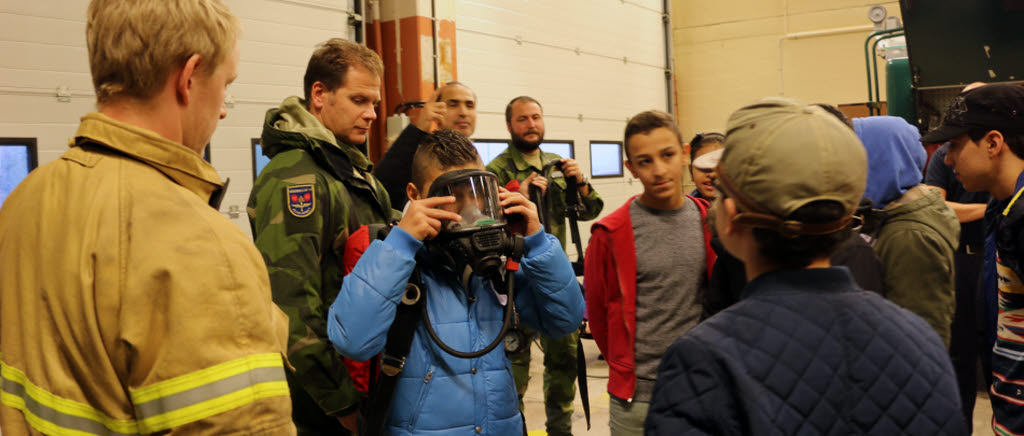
(561, 148)
(490, 148)
(605, 159)
(17, 159)
(258, 159)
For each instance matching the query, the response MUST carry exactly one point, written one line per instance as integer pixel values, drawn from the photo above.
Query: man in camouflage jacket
(523, 161)
(315, 191)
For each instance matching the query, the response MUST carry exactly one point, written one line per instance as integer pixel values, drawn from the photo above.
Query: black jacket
(395, 169)
(807, 352)
(728, 277)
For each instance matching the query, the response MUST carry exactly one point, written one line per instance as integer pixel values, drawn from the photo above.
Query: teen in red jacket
(646, 265)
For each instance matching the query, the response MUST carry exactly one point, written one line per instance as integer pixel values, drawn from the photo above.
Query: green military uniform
(511, 165)
(559, 353)
(916, 239)
(307, 200)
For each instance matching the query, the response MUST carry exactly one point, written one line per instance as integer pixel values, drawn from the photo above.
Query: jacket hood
(291, 126)
(895, 157)
(926, 206)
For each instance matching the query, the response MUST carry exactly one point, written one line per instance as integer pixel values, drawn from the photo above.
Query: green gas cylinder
(898, 91)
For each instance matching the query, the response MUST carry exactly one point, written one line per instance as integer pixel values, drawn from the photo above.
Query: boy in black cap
(985, 129)
(805, 351)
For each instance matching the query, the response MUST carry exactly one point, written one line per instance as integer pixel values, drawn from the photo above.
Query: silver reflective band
(11, 388)
(208, 391)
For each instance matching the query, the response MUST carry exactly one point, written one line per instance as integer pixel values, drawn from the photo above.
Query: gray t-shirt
(671, 272)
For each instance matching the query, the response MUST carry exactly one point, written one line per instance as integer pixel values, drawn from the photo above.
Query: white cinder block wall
(43, 43)
(508, 48)
(277, 39)
(618, 72)
(43, 46)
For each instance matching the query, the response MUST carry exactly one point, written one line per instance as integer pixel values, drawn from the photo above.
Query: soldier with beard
(524, 162)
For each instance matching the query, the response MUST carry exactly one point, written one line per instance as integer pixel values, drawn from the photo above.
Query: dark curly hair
(800, 251)
(445, 149)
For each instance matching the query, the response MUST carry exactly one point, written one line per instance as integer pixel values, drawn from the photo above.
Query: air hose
(506, 324)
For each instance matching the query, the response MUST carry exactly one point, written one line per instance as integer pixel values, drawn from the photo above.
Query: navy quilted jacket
(806, 352)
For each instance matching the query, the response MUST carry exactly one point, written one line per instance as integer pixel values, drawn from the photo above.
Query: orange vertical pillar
(417, 55)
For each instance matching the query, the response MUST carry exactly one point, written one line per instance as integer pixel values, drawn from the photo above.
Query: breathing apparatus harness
(478, 244)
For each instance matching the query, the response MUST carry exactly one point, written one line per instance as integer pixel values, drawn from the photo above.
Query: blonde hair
(331, 60)
(135, 44)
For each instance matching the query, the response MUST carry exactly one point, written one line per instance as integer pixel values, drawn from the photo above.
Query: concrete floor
(983, 414)
(597, 377)
(597, 374)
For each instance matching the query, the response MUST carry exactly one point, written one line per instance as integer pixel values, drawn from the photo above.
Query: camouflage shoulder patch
(301, 200)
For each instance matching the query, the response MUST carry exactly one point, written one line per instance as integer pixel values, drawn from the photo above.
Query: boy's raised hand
(422, 219)
(516, 203)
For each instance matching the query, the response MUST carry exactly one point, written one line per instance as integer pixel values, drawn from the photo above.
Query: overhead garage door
(592, 64)
(44, 49)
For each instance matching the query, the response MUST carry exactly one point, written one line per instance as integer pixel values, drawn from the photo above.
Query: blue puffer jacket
(439, 394)
(806, 352)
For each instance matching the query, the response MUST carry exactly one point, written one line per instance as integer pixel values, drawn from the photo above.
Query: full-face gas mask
(481, 239)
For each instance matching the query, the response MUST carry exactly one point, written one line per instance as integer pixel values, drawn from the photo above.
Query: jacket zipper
(423, 397)
(629, 332)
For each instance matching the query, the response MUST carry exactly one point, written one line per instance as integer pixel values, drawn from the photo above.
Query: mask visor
(476, 199)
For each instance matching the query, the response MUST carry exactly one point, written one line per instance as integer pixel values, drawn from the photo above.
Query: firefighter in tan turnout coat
(128, 303)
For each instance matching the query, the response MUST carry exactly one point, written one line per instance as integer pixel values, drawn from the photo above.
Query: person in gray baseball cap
(805, 351)
(985, 129)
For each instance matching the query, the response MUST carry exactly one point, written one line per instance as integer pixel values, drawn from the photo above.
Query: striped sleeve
(1008, 356)
(158, 407)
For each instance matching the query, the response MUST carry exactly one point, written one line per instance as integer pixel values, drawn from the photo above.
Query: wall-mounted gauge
(877, 14)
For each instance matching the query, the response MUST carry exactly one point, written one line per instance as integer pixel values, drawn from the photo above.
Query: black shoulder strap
(375, 410)
(572, 206)
(581, 378)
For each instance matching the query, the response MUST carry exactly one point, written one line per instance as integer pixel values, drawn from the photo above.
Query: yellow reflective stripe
(209, 391)
(42, 425)
(18, 392)
(212, 407)
(205, 376)
(1014, 200)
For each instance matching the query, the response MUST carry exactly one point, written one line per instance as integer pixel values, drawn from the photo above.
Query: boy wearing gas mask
(456, 243)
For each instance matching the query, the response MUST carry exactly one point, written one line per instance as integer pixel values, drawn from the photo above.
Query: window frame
(620, 160)
(33, 149)
(253, 143)
(571, 142)
(507, 143)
